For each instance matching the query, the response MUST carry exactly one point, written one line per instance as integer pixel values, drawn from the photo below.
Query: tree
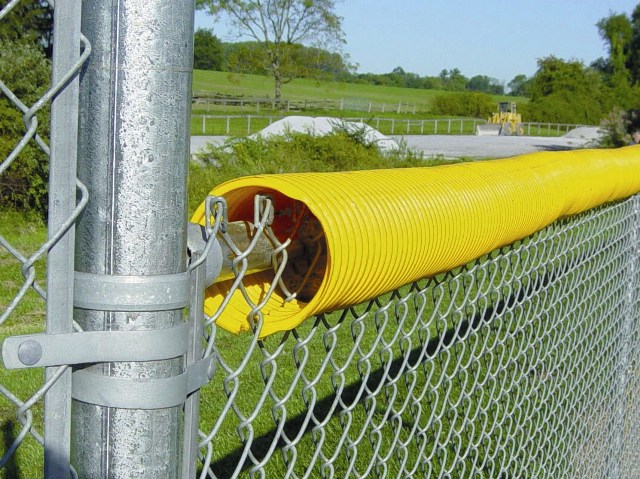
(207, 50)
(298, 62)
(319, 64)
(478, 83)
(29, 22)
(279, 24)
(453, 80)
(566, 92)
(633, 58)
(27, 73)
(245, 57)
(485, 84)
(621, 69)
(617, 31)
(519, 86)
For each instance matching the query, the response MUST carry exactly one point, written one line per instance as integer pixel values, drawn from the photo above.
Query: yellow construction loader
(503, 122)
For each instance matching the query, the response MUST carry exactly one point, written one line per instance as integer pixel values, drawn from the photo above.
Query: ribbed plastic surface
(386, 228)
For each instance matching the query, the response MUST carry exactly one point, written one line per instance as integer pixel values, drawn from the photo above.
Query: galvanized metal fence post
(62, 193)
(135, 105)
(192, 405)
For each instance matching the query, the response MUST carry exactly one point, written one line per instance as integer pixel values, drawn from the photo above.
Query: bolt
(30, 352)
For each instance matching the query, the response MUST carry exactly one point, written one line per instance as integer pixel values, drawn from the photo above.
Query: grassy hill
(210, 82)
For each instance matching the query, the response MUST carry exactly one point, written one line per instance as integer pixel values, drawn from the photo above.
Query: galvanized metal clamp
(119, 293)
(115, 293)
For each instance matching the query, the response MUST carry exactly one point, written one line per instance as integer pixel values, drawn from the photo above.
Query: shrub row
(291, 153)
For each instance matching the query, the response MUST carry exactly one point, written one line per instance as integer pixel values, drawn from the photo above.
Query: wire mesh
(25, 296)
(524, 363)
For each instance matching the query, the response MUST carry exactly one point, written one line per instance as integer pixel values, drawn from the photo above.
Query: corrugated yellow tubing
(386, 228)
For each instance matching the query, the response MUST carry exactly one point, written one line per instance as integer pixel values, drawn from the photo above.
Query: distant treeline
(315, 63)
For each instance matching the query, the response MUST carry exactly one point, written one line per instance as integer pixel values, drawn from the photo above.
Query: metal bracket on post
(44, 350)
(102, 292)
(121, 293)
(200, 277)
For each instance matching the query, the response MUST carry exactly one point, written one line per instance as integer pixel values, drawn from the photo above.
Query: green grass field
(303, 89)
(255, 86)
(26, 233)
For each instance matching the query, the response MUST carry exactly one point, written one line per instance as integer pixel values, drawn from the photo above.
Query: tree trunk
(277, 76)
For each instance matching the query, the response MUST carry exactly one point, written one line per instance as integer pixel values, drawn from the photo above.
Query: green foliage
(26, 71)
(278, 28)
(449, 80)
(615, 130)
(246, 58)
(617, 32)
(344, 150)
(207, 50)
(519, 86)
(298, 61)
(485, 84)
(619, 128)
(566, 92)
(633, 51)
(621, 34)
(398, 77)
(468, 104)
(555, 75)
(453, 80)
(29, 22)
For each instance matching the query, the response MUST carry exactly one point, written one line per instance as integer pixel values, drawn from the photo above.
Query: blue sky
(497, 38)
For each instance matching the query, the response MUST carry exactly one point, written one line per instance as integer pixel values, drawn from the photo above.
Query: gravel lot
(489, 146)
(453, 146)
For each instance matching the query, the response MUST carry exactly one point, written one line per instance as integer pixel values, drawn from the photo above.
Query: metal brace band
(127, 393)
(39, 350)
(104, 292)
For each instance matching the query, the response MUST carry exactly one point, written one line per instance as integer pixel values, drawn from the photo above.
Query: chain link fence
(18, 315)
(523, 363)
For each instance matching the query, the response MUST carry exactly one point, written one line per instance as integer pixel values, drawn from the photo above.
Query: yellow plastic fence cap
(387, 228)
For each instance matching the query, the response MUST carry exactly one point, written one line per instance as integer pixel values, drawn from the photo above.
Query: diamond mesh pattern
(524, 363)
(29, 263)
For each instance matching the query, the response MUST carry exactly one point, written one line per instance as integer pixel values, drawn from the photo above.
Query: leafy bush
(469, 104)
(26, 72)
(565, 107)
(289, 153)
(569, 92)
(619, 127)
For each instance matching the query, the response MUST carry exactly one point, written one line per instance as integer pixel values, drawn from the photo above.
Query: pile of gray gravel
(588, 133)
(324, 125)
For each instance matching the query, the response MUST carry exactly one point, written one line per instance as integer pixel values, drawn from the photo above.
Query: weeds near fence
(293, 153)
